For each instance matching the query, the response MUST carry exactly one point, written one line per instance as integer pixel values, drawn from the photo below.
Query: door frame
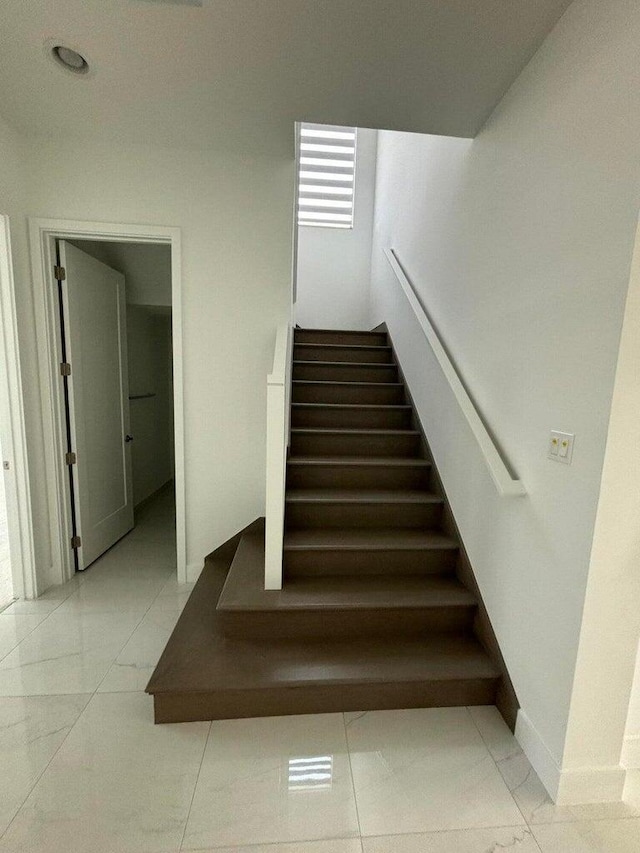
(43, 233)
(14, 441)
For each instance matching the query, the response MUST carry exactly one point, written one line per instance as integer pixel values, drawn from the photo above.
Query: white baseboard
(193, 571)
(592, 785)
(540, 758)
(630, 757)
(632, 785)
(571, 786)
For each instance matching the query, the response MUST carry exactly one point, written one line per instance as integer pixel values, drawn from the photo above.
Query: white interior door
(94, 310)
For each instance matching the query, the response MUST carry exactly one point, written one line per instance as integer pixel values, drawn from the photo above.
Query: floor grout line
(110, 666)
(26, 636)
(353, 780)
(260, 845)
(195, 786)
(47, 765)
(482, 738)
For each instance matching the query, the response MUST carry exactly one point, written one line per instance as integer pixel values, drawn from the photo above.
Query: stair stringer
(506, 699)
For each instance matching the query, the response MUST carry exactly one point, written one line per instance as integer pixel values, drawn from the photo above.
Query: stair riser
(349, 394)
(365, 339)
(369, 355)
(331, 625)
(345, 372)
(356, 477)
(321, 563)
(369, 516)
(336, 444)
(322, 699)
(351, 418)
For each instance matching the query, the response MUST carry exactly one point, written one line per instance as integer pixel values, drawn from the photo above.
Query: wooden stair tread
(349, 333)
(345, 381)
(384, 365)
(245, 665)
(244, 588)
(353, 431)
(385, 407)
(215, 664)
(380, 461)
(354, 347)
(323, 331)
(364, 496)
(374, 540)
(348, 593)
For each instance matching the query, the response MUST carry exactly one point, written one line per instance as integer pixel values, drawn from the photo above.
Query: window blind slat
(326, 176)
(306, 133)
(324, 190)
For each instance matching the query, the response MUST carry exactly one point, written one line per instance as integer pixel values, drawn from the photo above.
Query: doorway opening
(115, 332)
(110, 309)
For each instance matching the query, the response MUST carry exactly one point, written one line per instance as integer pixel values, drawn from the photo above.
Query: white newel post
(278, 384)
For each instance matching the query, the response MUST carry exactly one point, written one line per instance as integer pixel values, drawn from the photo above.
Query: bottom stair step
(203, 675)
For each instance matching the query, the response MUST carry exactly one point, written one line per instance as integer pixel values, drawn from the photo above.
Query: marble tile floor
(83, 768)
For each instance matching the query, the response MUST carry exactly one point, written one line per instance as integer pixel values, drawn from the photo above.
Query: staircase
(373, 612)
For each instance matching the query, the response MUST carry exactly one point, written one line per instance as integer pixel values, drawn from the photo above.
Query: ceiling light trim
(54, 42)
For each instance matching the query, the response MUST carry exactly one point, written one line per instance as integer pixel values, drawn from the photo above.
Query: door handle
(128, 438)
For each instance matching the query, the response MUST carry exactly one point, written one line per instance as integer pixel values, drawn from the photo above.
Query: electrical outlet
(561, 446)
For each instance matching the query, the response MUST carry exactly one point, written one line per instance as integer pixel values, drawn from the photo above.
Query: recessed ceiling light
(70, 59)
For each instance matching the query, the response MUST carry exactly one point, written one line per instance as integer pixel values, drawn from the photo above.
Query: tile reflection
(310, 774)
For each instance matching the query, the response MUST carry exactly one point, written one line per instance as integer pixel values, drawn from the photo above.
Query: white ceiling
(238, 73)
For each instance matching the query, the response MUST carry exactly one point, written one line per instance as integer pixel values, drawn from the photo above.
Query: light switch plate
(561, 446)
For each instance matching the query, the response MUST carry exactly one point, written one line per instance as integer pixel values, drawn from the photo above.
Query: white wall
(235, 215)
(334, 264)
(611, 616)
(151, 418)
(519, 243)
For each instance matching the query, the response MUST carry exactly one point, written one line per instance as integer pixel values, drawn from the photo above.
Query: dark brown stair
(316, 391)
(358, 472)
(356, 416)
(339, 607)
(344, 371)
(354, 442)
(362, 509)
(376, 609)
(368, 552)
(333, 336)
(342, 353)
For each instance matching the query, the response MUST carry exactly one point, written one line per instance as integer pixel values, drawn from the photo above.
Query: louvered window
(326, 178)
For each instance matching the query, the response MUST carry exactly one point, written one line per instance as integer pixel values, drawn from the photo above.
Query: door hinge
(60, 273)
(65, 369)
(76, 542)
(70, 458)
